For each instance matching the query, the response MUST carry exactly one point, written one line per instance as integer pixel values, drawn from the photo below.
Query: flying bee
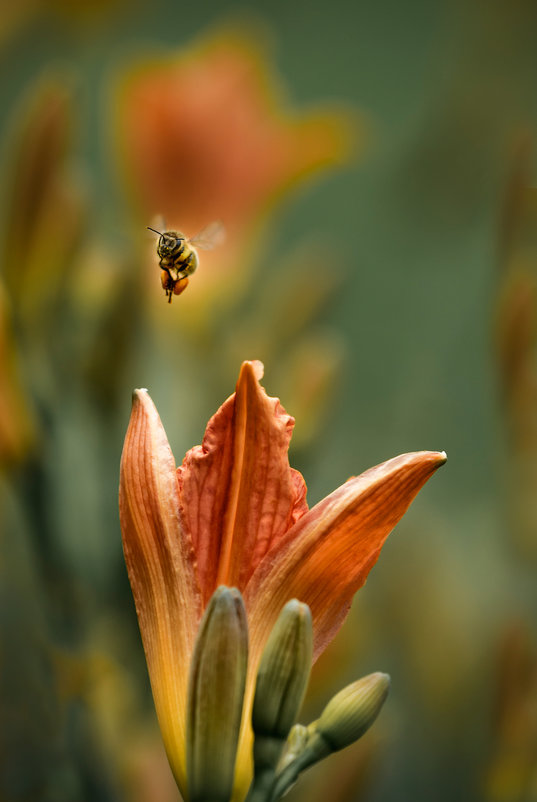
(178, 256)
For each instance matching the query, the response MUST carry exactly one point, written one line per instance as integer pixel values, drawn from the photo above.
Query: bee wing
(209, 237)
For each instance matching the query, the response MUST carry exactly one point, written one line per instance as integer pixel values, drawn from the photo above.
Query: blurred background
(374, 166)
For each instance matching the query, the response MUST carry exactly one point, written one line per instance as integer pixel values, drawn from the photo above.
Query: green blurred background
(391, 294)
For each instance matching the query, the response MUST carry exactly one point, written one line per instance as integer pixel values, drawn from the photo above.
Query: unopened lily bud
(345, 719)
(282, 677)
(353, 710)
(215, 697)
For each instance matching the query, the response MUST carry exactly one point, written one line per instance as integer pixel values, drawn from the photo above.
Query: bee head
(169, 242)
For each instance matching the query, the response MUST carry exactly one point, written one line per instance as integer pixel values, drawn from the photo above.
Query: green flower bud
(283, 673)
(345, 719)
(282, 679)
(215, 697)
(352, 711)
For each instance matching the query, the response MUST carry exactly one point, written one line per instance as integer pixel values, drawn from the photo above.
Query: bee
(178, 258)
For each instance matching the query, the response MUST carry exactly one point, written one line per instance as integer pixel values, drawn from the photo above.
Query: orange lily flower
(235, 513)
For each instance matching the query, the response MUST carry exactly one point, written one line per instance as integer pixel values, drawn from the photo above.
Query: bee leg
(167, 283)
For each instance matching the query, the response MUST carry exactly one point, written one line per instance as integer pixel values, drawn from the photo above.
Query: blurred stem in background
(512, 770)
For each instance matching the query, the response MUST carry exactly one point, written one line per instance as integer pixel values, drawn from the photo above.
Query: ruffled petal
(238, 494)
(161, 568)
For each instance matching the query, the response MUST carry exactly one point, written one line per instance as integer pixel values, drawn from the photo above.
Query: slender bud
(282, 679)
(353, 710)
(283, 673)
(215, 697)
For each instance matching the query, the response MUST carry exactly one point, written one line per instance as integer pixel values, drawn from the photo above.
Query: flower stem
(261, 787)
(288, 776)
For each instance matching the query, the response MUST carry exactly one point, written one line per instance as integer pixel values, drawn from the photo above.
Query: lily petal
(323, 560)
(326, 556)
(161, 567)
(238, 494)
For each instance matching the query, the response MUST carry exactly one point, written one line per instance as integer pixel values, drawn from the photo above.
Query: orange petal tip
(440, 457)
(251, 369)
(142, 400)
(436, 458)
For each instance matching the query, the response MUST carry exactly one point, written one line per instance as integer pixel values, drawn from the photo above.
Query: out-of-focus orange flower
(235, 513)
(204, 136)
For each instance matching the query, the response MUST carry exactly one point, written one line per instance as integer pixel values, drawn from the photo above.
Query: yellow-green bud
(215, 697)
(345, 719)
(282, 678)
(284, 671)
(352, 711)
